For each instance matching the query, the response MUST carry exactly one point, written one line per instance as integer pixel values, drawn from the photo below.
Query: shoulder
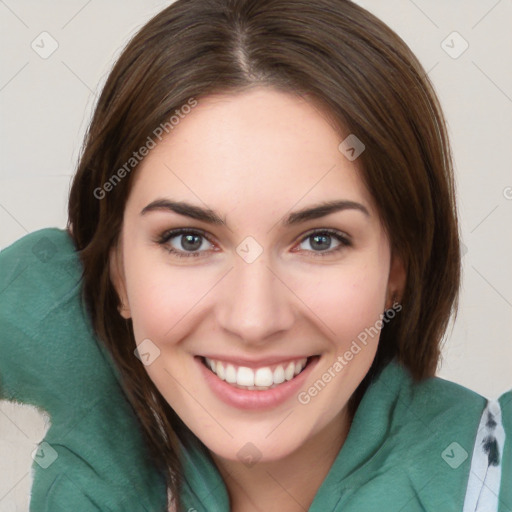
(481, 430)
(42, 244)
(438, 404)
(462, 430)
(45, 257)
(41, 312)
(37, 272)
(416, 445)
(94, 452)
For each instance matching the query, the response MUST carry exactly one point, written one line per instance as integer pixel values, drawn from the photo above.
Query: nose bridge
(255, 304)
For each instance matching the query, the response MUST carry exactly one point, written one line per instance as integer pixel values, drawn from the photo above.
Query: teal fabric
(50, 358)
(506, 481)
(404, 452)
(399, 455)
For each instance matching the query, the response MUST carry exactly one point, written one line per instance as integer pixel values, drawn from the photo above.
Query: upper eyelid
(175, 232)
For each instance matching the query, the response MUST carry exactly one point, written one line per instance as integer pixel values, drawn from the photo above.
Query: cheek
(345, 299)
(162, 297)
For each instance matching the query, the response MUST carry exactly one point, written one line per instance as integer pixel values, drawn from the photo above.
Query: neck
(289, 484)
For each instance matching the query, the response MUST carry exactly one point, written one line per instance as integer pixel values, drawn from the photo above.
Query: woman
(265, 214)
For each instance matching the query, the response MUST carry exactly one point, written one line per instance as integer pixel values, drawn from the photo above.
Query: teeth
(230, 374)
(278, 375)
(290, 370)
(220, 371)
(245, 376)
(261, 378)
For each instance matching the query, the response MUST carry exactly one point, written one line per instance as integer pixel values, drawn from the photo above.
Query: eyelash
(168, 235)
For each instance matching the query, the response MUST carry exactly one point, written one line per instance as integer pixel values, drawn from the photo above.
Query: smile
(263, 378)
(255, 385)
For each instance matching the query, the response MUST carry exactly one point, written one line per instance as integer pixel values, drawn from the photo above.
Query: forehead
(261, 148)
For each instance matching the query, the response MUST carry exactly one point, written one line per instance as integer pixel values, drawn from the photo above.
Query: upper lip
(253, 363)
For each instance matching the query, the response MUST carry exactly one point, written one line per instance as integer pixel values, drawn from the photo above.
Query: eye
(188, 242)
(184, 242)
(320, 241)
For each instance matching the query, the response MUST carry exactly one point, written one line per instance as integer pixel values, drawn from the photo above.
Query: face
(221, 267)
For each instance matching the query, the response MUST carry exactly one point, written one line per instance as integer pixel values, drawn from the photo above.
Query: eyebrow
(211, 217)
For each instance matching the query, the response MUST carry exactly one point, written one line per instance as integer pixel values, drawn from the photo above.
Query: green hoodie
(432, 446)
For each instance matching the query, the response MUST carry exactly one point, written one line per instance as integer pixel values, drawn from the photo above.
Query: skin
(253, 158)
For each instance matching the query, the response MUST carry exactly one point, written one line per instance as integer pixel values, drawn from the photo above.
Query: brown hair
(367, 80)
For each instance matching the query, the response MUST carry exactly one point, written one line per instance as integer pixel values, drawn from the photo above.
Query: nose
(255, 303)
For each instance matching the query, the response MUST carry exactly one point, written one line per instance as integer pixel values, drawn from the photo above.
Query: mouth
(262, 378)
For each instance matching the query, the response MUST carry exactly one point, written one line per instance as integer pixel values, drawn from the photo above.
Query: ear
(116, 268)
(396, 280)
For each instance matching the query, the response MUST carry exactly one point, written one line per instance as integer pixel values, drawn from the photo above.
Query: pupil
(188, 242)
(325, 241)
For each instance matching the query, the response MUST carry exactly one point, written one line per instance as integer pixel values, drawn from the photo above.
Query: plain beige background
(46, 102)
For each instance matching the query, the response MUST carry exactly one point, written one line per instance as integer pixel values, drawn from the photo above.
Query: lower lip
(255, 399)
